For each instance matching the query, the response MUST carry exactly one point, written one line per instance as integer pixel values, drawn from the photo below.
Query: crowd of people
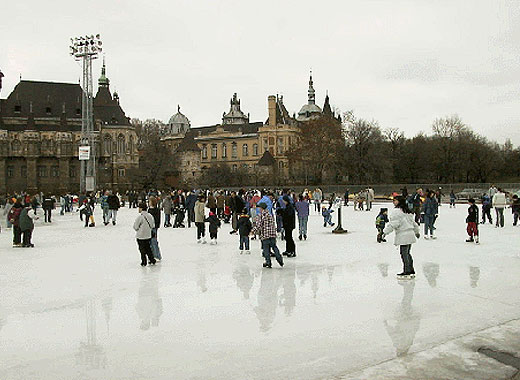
(264, 215)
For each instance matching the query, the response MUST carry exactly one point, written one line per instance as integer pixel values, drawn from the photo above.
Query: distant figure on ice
(431, 210)
(244, 229)
(453, 198)
(214, 225)
(327, 215)
(27, 217)
(302, 208)
(199, 219)
(472, 221)
(406, 233)
(486, 209)
(515, 209)
(266, 229)
(143, 225)
(499, 203)
(381, 220)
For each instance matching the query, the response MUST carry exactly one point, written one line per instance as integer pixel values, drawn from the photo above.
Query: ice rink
(79, 305)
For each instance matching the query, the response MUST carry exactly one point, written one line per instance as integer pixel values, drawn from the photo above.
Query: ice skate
(477, 240)
(248, 252)
(470, 240)
(241, 251)
(433, 237)
(204, 241)
(405, 276)
(199, 241)
(265, 265)
(300, 237)
(304, 237)
(426, 237)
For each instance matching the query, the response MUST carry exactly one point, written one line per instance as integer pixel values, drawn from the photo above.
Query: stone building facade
(40, 132)
(238, 142)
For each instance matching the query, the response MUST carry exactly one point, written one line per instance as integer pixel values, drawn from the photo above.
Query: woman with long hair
(401, 221)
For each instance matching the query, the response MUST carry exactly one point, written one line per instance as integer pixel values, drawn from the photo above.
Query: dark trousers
(191, 216)
(213, 234)
(407, 259)
(515, 218)
(27, 234)
(500, 216)
(290, 247)
(220, 212)
(146, 251)
(267, 245)
(201, 230)
(244, 242)
(47, 212)
(380, 235)
(417, 212)
(486, 212)
(17, 235)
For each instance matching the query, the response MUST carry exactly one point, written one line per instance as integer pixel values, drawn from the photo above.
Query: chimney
(271, 105)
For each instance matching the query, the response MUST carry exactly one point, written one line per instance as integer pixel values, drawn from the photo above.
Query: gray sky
(402, 63)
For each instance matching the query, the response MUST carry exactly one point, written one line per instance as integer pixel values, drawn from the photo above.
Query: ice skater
(143, 225)
(244, 229)
(472, 222)
(381, 221)
(214, 225)
(199, 219)
(327, 215)
(401, 221)
(266, 229)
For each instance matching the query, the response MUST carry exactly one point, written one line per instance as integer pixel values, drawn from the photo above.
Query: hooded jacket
(404, 227)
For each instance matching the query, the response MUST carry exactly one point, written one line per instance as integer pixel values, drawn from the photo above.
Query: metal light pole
(86, 49)
(339, 228)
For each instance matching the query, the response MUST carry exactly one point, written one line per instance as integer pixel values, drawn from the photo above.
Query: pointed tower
(311, 93)
(327, 110)
(309, 110)
(103, 81)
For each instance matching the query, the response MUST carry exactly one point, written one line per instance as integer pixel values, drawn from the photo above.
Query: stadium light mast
(85, 49)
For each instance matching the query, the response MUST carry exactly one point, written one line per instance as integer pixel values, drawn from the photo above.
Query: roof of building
(188, 143)
(233, 128)
(179, 118)
(267, 159)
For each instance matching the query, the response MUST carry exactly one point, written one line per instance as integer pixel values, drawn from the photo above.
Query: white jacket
(404, 226)
(499, 200)
(143, 226)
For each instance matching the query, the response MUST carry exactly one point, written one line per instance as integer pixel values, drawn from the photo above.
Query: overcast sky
(402, 63)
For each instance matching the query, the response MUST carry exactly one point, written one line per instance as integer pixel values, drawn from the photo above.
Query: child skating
(214, 225)
(327, 216)
(381, 221)
(244, 229)
(472, 221)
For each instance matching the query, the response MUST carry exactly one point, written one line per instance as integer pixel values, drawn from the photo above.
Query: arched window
(131, 144)
(213, 150)
(204, 152)
(224, 150)
(120, 144)
(16, 146)
(245, 150)
(107, 144)
(234, 153)
(255, 149)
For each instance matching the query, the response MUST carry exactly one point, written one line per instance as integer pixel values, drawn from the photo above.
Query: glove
(417, 235)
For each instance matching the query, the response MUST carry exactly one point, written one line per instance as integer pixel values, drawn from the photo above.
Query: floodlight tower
(86, 48)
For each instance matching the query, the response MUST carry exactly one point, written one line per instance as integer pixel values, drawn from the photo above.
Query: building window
(121, 144)
(131, 144)
(48, 110)
(72, 171)
(10, 171)
(78, 111)
(245, 150)
(204, 152)
(255, 149)
(224, 150)
(55, 171)
(234, 153)
(279, 148)
(42, 171)
(234, 167)
(280, 164)
(244, 166)
(271, 140)
(16, 146)
(17, 109)
(107, 145)
(23, 171)
(213, 150)
(266, 146)
(120, 173)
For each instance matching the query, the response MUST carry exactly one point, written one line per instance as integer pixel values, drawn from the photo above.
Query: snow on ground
(79, 306)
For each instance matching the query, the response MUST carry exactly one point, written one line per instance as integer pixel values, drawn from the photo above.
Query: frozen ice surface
(79, 306)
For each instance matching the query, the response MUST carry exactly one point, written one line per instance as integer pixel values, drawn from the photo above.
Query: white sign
(84, 153)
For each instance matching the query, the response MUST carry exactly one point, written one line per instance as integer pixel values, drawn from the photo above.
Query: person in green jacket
(26, 222)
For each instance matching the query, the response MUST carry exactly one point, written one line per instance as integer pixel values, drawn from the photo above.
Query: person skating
(199, 219)
(190, 207)
(104, 208)
(401, 221)
(486, 209)
(515, 209)
(87, 210)
(27, 217)
(154, 211)
(48, 206)
(167, 209)
(381, 220)
(143, 226)
(453, 198)
(431, 210)
(472, 222)
(289, 223)
(499, 203)
(244, 229)
(214, 225)
(327, 215)
(113, 207)
(302, 208)
(14, 219)
(266, 229)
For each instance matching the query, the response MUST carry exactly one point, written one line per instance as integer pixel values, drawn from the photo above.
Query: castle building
(40, 133)
(238, 142)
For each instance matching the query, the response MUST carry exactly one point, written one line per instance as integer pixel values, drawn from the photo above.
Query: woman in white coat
(401, 221)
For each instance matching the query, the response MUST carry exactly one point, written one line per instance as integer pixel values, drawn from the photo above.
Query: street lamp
(85, 49)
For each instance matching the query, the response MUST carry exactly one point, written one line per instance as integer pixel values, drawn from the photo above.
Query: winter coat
(237, 204)
(404, 226)
(288, 217)
(430, 207)
(515, 206)
(370, 195)
(26, 219)
(14, 214)
(214, 222)
(199, 212)
(381, 221)
(167, 205)
(48, 204)
(212, 202)
(317, 196)
(244, 225)
(143, 226)
(302, 208)
(269, 203)
(113, 202)
(156, 213)
(472, 214)
(104, 202)
(220, 201)
(190, 201)
(499, 200)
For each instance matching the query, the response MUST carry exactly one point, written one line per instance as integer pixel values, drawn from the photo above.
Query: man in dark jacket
(237, 205)
(289, 223)
(14, 219)
(190, 206)
(113, 206)
(48, 206)
(27, 215)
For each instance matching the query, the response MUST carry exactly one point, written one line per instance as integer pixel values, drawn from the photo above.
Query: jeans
(106, 215)
(267, 245)
(302, 223)
(191, 216)
(500, 216)
(290, 247)
(327, 220)
(17, 235)
(113, 215)
(317, 205)
(167, 220)
(201, 229)
(146, 251)
(244, 242)
(407, 259)
(428, 224)
(154, 244)
(486, 212)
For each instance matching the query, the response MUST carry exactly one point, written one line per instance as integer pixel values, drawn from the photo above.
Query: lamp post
(86, 48)
(339, 229)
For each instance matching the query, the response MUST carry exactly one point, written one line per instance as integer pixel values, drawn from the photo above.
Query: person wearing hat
(143, 225)
(265, 228)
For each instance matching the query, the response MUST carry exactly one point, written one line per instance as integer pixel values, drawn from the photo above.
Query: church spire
(312, 93)
(103, 80)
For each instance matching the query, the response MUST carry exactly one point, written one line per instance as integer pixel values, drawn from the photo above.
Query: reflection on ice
(474, 276)
(431, 272)
(244, 279)
(383, 268)
(90, 353)
(149, 305)
(405, 322)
